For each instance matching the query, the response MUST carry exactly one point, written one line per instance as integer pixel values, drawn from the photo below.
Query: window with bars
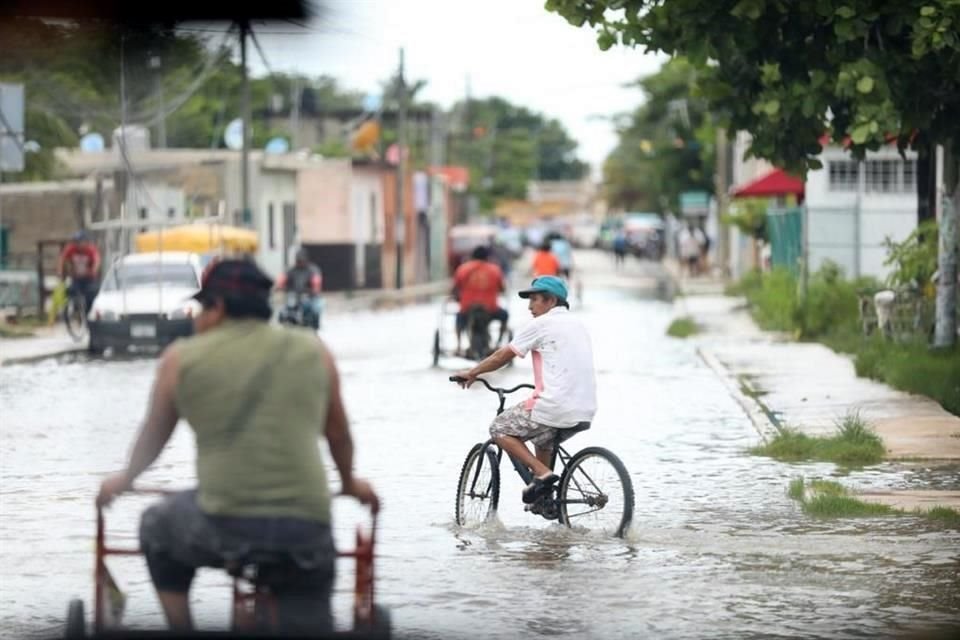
(843, 175)
(880, 176)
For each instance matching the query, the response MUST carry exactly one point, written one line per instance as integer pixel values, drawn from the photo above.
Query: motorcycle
(300, 309)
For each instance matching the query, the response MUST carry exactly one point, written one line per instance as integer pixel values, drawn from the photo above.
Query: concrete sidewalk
(807, 386)
(46, 342)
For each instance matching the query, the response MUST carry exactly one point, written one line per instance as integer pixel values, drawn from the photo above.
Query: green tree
(861, 71)
(506, 145)
(666, 145)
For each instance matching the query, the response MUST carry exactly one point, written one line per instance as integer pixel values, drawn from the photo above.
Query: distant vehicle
(645, 234)
(144, 300)
(534, 234)
(512, 239)
(585, 235)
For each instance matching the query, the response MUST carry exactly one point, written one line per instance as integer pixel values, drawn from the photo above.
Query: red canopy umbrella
(775, 183)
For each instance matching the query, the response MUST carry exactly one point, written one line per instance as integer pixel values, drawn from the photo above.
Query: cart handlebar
(496, 390)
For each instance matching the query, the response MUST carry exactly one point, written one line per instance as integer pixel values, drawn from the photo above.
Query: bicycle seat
(565, 434)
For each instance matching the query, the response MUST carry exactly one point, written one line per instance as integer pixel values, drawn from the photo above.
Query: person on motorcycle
(258, 398)
(80, 259)
(479, 282)
(565, 386)
(304, 277)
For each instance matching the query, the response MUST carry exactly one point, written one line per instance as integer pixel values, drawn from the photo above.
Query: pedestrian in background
(619, 248)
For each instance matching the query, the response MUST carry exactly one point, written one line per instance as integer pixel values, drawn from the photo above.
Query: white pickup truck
(144, 300)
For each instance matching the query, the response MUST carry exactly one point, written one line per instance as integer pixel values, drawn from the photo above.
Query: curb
(756, 411)
(40, 356)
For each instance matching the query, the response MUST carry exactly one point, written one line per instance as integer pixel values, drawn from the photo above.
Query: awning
(775, 183)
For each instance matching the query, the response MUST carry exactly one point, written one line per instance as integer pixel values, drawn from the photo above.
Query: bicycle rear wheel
(75, 317)
(478, 491)
(596, 492)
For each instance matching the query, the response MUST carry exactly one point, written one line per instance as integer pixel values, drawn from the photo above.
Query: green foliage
(913, 367)
(914, 260)
(506, 145)
(868, 70)
(945, 515)
(775, 304)
(796, 489)
(854, 444)
(750, 216)
(666, 146)
(748, 285)
(830, 305)
(683, 327)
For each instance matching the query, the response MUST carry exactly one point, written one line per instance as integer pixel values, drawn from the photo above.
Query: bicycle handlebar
(494, 389)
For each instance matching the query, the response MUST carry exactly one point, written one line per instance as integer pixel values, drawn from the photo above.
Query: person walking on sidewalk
(258, 397)
(564, 383)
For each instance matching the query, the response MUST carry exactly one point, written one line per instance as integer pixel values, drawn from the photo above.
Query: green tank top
(256, 396)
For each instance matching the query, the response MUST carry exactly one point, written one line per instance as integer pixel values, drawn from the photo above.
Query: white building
(852, 207)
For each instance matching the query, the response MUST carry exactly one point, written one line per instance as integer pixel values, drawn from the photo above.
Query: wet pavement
(717, 549)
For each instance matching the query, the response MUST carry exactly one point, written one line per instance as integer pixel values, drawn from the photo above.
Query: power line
(263, 57)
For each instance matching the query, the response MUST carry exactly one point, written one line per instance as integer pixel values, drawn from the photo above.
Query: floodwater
(716, 549)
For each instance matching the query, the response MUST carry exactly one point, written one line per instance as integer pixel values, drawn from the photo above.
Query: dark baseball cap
(234, 278)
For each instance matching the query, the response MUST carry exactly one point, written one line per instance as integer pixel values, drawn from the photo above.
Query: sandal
(539, 487)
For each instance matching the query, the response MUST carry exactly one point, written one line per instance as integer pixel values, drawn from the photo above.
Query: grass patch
(830, 499)
(683, 327)
(854, 444)
(945, 515)
(14, 331)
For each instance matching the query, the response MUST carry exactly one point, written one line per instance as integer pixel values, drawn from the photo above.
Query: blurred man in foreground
(257, 397)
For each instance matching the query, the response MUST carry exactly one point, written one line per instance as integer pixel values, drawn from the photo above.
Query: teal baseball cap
(546, 284)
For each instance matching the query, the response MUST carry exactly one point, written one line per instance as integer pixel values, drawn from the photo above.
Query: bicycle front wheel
(478, 492)
(596, 492)
(75, 317)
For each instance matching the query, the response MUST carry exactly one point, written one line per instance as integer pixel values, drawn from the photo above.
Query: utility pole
(295, 115)
(720, 187)
(399, 218)
(155, 63)
(246, 215)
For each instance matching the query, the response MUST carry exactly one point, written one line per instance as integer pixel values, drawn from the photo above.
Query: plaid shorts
(516, 422)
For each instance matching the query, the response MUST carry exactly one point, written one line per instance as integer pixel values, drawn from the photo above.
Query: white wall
(366, 214)
(154, 202)
(275, 188)
(836, 218)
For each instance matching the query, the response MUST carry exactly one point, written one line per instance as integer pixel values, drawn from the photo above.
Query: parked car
(585, 235)
(145, 300)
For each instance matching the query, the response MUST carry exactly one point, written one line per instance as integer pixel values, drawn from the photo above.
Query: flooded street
(716, 549)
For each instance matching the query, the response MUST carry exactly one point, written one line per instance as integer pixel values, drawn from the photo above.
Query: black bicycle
(594, 491)
(75, 312)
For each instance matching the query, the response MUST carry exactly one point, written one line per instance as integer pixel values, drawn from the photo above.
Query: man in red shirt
(479, 282)
(81, 261)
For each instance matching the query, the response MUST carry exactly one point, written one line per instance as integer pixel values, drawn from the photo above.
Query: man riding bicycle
(305, 277)
(80, 259)
(258, 397)
(565, 388)
(479, 282)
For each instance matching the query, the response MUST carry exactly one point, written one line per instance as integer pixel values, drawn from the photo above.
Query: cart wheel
(76, 626)
(381, 623)
(436, 347)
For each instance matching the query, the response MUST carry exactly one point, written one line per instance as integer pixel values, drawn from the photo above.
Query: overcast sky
(511, 48)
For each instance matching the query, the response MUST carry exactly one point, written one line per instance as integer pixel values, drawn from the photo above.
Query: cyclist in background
(479, 281)
(80, 259)
(544, 262)
(560, 247)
